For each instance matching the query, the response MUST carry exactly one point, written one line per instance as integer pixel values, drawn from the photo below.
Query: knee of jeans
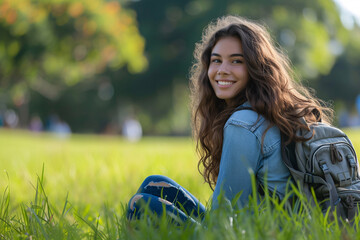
(154, 178)
(133, 201)
(157, 181)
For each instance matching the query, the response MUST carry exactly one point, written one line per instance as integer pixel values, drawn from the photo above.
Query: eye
(237, 61)
(215, 60)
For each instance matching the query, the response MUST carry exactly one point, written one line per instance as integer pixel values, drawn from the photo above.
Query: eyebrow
(232, 55)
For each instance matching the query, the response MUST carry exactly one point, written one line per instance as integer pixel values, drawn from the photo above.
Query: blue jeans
(161, 193)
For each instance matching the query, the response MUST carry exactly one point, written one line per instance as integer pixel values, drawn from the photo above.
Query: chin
(223, 97)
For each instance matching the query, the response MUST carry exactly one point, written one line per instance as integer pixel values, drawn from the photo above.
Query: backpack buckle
(324, 167)
(337, 201)
(351, 160)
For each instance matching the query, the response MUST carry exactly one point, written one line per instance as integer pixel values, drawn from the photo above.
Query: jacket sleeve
(240, 157)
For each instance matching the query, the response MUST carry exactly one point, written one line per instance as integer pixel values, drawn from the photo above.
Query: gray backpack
(327, 163)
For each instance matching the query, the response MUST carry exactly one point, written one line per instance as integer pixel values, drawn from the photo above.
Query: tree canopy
(91, 61)
(47, 46)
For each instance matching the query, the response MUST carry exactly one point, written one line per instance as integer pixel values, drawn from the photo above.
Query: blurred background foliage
(94, 63)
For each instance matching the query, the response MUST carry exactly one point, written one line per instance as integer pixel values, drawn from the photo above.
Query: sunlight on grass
(88, 179)
(94, 169)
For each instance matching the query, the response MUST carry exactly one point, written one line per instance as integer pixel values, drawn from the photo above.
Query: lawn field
(86, 174)
(93, 169)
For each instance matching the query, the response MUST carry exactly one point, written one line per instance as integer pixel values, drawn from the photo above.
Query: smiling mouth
(225, 83)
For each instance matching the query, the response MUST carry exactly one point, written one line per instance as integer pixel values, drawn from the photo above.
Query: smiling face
(227, 70)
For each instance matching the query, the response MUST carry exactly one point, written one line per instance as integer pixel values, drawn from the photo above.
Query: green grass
(94, 169)
(77, 188)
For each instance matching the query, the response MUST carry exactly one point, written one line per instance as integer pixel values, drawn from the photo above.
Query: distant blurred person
(357, 103)
(36, 124)
(62, 129)
(132, 129)
(243, 97)
(11, 119)
(58, 126)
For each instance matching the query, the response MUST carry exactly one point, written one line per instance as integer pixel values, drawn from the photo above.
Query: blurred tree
(342, 84)
(47, 46)
(309, 31)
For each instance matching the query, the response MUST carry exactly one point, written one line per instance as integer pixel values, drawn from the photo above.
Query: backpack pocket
(340, 160)
(349, 202)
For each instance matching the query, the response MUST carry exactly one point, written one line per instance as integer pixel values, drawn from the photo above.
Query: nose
(223, 69)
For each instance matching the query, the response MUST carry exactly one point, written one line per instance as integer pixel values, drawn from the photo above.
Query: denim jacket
(242, 155)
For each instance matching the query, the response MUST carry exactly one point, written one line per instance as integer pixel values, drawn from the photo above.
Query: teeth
(224, 83)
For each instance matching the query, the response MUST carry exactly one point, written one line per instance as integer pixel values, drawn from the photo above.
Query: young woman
(244, 96)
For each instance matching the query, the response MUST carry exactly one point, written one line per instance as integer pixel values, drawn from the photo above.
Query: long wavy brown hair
(272, 91)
